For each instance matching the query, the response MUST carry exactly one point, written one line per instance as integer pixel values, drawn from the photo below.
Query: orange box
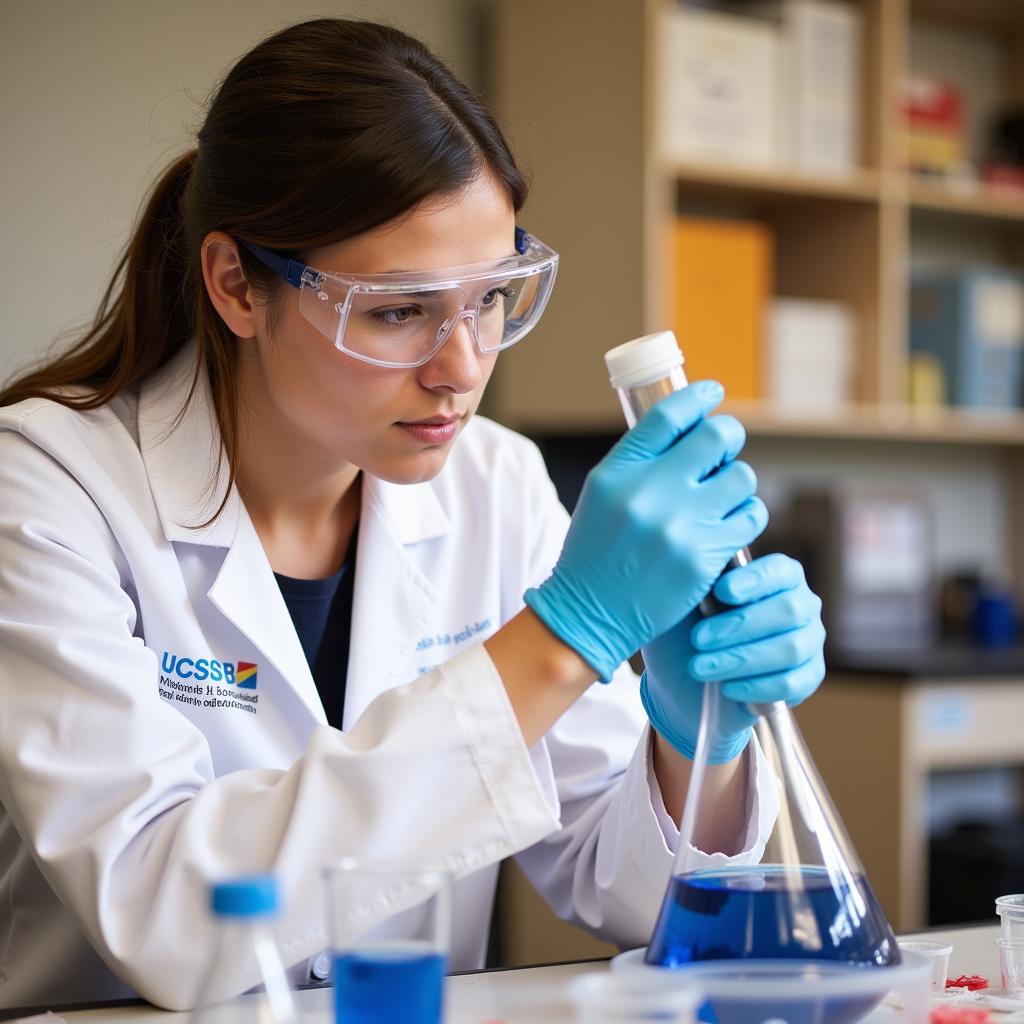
(724, 271)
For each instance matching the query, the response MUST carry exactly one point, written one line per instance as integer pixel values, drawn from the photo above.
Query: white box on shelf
(820, 82)
(811, 351)
(719, 90)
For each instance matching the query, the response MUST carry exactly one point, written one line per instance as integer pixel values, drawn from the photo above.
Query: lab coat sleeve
(115, 793)
(606, 870)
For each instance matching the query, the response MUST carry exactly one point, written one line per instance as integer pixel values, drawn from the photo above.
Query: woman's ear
(227, 286)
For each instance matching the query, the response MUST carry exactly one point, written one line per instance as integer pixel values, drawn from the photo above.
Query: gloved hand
(652, 531)
(767, 648)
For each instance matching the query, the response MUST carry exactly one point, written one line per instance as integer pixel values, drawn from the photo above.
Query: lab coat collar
(412, 511)
(181, 455)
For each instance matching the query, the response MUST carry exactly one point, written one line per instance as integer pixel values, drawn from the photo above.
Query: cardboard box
(723, 281)
(820, 82)
(810, 357)
(719, 88)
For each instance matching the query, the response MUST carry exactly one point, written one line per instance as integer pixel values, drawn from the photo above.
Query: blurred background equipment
(867, 550)
(972, 861)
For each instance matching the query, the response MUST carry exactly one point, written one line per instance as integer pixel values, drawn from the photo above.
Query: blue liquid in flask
(746, 912)
(389, 985)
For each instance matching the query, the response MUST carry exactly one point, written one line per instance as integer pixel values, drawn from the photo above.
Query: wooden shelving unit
(576, 86)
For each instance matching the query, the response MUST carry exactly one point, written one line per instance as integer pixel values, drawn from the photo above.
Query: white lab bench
(530, 994)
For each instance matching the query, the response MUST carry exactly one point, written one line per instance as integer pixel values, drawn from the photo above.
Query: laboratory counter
(947, 659)
(530, 994)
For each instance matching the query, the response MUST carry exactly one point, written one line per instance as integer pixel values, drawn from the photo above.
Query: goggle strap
(522, 240)
(291, 270)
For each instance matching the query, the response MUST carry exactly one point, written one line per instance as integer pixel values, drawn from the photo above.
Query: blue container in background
(971, 321)
(994, 622)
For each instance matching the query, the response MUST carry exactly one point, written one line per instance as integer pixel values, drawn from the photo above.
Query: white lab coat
(131, 775)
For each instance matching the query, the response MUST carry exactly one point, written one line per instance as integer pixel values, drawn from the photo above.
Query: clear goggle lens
(404, 323)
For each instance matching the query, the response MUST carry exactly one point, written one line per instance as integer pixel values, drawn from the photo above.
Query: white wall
(95, 98)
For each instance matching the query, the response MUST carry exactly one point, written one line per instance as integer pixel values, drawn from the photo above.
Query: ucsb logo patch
(241, 674)
(196, 681)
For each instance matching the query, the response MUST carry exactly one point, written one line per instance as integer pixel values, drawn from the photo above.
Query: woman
(262, 579)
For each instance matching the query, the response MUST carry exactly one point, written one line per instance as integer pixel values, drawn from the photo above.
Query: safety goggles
(401, 320)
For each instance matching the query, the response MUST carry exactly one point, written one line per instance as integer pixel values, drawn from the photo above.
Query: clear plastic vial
(243, 909)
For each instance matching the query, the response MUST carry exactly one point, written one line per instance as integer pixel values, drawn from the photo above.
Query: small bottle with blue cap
(243, 909)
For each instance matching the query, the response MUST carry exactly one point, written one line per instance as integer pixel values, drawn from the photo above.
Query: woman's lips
(435, 430)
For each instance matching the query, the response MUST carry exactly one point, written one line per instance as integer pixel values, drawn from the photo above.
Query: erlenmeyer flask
(807, 897)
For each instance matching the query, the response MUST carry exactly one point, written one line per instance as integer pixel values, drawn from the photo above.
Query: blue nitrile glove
(770, 647)
(652, 531)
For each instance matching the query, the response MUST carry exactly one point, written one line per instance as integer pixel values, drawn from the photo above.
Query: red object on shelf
(932, 104)
(933, 125)
(1003, 176)
(972, 982)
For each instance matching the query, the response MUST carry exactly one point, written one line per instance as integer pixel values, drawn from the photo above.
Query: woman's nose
(456, 364)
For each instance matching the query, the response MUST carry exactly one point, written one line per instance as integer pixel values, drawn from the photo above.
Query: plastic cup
(390, 936)
(1011, 965)
(937, 953)
(628, 997)
(1011, 915)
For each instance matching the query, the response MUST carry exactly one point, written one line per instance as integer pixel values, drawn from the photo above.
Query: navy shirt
(322, 613)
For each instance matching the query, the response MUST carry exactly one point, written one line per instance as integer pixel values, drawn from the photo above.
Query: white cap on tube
(643, 360)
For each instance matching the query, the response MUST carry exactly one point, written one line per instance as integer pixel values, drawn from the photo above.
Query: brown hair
(321, 132)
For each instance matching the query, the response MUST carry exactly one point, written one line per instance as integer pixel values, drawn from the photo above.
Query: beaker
(390, 937)
(807, 895)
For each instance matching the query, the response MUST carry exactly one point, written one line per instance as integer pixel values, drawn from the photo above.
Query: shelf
(884, 423)
(982, 203)
(729, 180)
(888, 424)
